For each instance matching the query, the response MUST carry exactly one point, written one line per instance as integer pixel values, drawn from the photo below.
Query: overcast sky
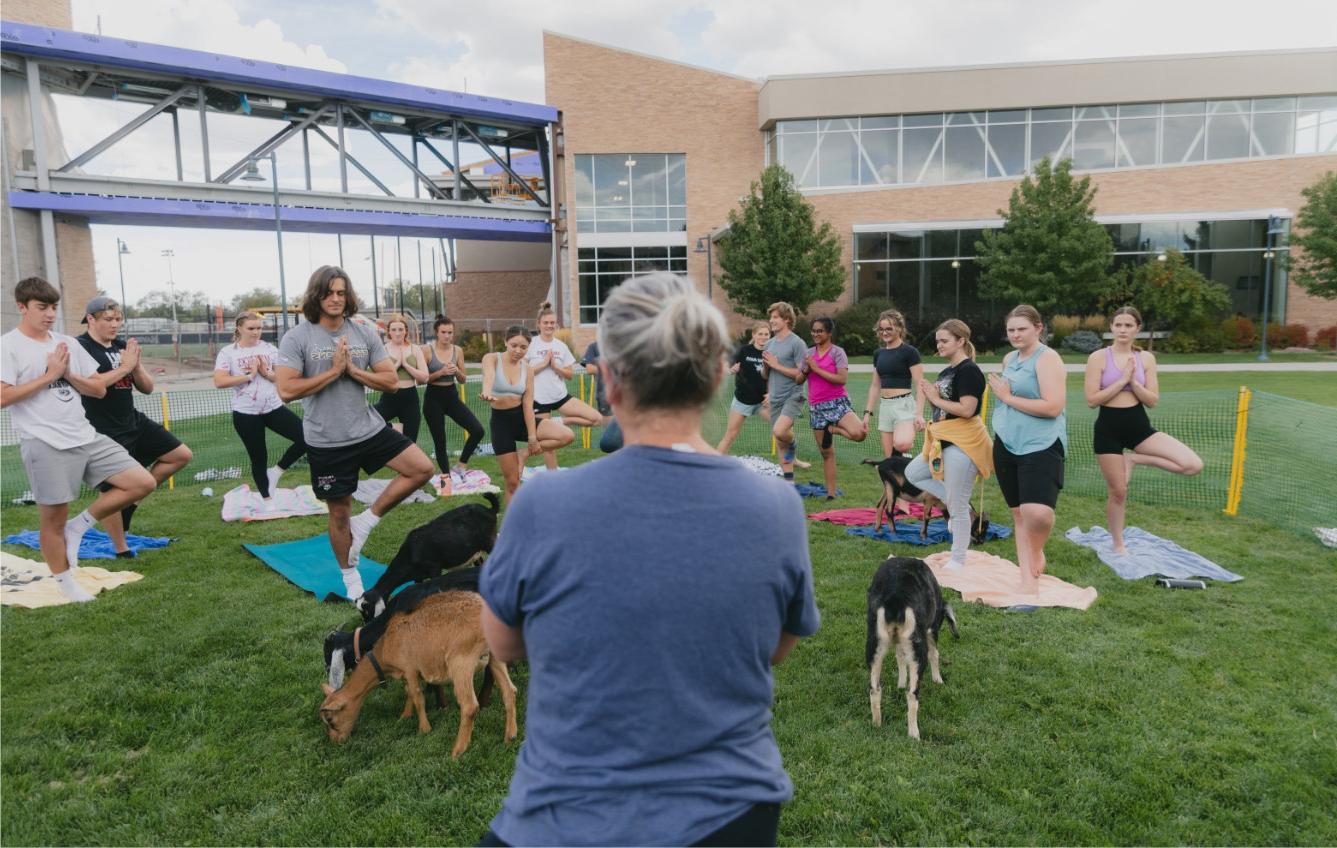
(496, 49)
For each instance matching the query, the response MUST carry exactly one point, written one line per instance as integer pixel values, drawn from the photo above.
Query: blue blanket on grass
(309, 564)
(908, 531)
(1149, 556)
(95, 545)
(815, 490)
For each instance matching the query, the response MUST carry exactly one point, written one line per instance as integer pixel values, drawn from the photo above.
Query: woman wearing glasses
(896, 389)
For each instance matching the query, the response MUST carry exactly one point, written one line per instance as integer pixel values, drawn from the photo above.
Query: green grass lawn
(181, 709)
(1231, 356)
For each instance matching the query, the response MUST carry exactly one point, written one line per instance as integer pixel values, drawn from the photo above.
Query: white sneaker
(274, 474)
(361, 529)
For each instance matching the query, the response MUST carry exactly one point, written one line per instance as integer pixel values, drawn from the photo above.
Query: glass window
(1008, 116)
(1228, 107)
(1321, 102)
(1157, 235)
(1126, 237)
(838, 159)
(1196, 107)
(870, 245)
(1273, 134)
(1195, 235)
(906, 279)
(611, 184)
(1063, 113)
(880, 122)
(933, 120)
(906, 245)
(786, 127)
(921, 155)
(649, 179)
(1092, 112)
(878, 163)
(966, 119)
(677, 178)
(1052, 140)
(965, 153)
(797, 154)
(1139, 110)
(870, 280)
(1274, 104)
(584, 181)
(1315, 131)
(1182, 140)
(1007, 150)
(1227, 136)
(602, 269)
(942, 243)
(1093, 145)
(1137, 142)
(840, 124)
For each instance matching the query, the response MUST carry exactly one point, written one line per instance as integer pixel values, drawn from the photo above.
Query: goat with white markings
(905, 613)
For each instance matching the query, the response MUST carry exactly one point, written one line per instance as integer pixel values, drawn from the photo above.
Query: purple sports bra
(1113, 373)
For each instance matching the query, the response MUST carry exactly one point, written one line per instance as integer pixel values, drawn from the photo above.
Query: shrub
(1062, 326)
(1326, 338)
(1281, 336)
(1199, 335)
(1097, 324)
(475, 345)
(854, 326)
(1240, 332)
(1083, 341)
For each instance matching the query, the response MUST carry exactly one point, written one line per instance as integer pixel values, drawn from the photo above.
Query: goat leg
(440, 691)
(462, 676)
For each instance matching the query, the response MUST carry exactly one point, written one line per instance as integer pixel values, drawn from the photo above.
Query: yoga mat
(95, 544)
(990, 580)
(937, 532)
(309, 564)
(28, 583)
(815, 490)
(1149, 556)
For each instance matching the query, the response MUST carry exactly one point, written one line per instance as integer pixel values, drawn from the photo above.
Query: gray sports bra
(501, 385)
(434, 365)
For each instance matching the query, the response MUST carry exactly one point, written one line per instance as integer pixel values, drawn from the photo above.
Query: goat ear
(327, 689)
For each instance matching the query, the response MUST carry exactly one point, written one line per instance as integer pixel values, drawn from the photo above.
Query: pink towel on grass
(991, 580)
(865, 516)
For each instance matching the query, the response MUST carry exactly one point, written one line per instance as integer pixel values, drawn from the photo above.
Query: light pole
(703, 245)
(1274, 228)
(171, 288)
(121, 250)
(253, 175)
(956, 266)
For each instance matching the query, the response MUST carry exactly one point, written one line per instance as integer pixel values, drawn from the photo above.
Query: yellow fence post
(984, 406)
(167, 425)
(1236, 488)
(773, 444)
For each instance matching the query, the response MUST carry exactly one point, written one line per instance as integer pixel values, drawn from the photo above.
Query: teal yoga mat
(310, 565)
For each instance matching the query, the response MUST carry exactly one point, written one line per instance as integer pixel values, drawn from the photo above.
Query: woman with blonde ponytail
(247, 367)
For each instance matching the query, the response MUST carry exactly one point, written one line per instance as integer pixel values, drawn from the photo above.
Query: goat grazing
(439, 640)
(905, 611)
(448, 541)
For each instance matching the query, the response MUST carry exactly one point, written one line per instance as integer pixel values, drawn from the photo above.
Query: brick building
(1195, 153)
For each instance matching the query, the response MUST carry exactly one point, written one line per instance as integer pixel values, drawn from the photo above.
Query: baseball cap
(99, 304)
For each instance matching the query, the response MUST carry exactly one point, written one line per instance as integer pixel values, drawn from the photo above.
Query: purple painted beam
(45, 42)
(152, 212)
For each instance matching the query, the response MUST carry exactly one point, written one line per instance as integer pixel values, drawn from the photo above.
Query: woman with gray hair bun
(647, 559)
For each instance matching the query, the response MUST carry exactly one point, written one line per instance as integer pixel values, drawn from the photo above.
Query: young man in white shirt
(42, 375)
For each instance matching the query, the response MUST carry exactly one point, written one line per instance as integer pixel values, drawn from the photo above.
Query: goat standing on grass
(905, 612)
(440, 640)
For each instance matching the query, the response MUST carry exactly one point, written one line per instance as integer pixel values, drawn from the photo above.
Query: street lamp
(1274, 228)
(252, 175)
(171, 287)
(956, 266)
(704, 245)
(121, 250)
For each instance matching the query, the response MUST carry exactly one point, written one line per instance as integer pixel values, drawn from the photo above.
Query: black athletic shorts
(148, 441)
(545, 408)
(1029, 478)
(1123, 429)
(334, 471)
(507, 427)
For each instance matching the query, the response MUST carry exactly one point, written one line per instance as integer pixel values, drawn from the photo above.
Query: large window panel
(677, 179)
(612, 183)
(1093, 145)
(1007, 150)
(921, 155)
(964, 158)
(649, 179)
(881, 150)
(584, 181)
(797, 154)
(871, 279)
(906, 245)
(1227, 136)
(870, 245)
(603, 269)
(1182, 139)
(1050, 139)
(838, 159)
(1273, 134)
(903, 286)
(1137, 142)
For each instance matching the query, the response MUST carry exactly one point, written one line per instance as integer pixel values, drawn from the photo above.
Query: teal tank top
(1023, 433)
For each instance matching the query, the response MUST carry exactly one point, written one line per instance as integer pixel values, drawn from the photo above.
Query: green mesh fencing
(1291, 451)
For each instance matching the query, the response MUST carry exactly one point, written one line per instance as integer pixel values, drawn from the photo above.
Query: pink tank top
(833, 360)
(1113, 373)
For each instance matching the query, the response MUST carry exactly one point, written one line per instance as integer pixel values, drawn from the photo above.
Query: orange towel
(992, 580)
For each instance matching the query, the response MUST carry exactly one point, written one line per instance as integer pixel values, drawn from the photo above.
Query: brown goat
(441, 639)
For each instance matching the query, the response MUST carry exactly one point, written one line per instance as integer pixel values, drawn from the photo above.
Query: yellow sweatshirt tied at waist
(968, 434)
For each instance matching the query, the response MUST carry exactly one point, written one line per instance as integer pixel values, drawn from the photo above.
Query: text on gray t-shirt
(790, 351)
(338, 414)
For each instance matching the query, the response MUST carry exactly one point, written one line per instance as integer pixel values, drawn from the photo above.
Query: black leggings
(251, 428)
(758, 825)
(439, 402)
(403, 405)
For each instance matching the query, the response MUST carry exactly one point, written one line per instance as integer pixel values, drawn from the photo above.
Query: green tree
(776, 251)
(1050, 252)
(1314, 266)
(253, 298)
(1170, 293)
(422, 304)
(190, 305)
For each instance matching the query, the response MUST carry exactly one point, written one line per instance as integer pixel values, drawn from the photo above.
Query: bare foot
(1120, 550)
(1028, 585)
(798, 463)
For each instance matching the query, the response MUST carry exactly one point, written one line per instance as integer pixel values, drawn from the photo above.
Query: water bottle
(1171, 583)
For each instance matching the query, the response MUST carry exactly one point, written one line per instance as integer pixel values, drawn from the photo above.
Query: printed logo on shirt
(126, 382)
(64, 391)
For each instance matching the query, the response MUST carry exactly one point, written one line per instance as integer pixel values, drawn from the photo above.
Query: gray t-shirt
(338, 414)
(790, 351)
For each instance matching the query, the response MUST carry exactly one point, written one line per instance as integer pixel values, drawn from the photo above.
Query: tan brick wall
(498, 295)
(78, 282)
(618, 102)
(51, 13)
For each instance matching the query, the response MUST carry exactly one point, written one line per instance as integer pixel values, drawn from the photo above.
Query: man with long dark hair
(330, 361)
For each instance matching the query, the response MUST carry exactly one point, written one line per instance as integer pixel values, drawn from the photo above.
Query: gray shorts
(790, 405)
(54, 475)
(747, 410)
(894, 411)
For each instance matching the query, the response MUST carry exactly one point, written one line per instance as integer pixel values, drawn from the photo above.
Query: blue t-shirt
(652, 587)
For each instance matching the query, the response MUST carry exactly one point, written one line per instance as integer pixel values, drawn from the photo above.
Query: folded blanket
(991, 580)
(28, 583)
(370, 489)
(761, 466)
(95, 545)
(909, 532)
(853, 517)
(245, 504)
(475, 482)
(1148, 555)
